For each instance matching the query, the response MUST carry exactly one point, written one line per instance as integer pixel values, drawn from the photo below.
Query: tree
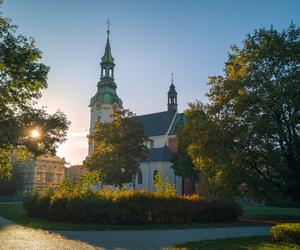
(163, 185)
(118, 148)
(182, 162)
(250, 131)
(22, 77)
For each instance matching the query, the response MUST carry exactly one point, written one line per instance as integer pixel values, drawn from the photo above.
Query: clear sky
(149, 39)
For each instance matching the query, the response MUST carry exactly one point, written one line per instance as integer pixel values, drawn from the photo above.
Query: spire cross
(172, 77)
(108, 24)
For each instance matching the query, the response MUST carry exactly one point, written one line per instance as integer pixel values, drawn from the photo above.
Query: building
(160, 127)
(39, 174)
(74, 172)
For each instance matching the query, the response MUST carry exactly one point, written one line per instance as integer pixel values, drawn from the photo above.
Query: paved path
(159, 239)
(14, 236)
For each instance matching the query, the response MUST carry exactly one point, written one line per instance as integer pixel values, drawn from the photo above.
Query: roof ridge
(155, 113)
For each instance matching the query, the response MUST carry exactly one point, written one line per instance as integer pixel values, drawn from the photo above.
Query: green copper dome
(106, 92)
(107, 57)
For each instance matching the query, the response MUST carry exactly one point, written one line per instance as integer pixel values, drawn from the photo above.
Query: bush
(289, 233)
(37, 204)
(127, 207)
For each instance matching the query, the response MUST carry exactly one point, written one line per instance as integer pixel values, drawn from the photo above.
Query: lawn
(253, 216)
(279, 214)
(246, 243)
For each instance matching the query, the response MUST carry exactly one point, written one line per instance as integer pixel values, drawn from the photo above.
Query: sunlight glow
(35, 133)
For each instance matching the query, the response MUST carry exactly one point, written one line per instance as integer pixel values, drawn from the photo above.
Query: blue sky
(149, 39)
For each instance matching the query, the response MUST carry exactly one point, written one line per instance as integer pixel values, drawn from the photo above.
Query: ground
(60, 236)
(13, 236)
(244, 243)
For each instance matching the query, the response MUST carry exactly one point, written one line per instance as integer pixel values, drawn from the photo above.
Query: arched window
(140, 177)
(155, 175)
(110, 72)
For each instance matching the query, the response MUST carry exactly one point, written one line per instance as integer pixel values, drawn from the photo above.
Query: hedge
(128, 207)
(289, 232)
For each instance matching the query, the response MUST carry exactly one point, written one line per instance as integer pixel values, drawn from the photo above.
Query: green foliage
(89, 179)
(37, 204)
(289, 233)
(246, 140)
(182, 162)
(163, 185)
(22, 77)
(118, 147)
(127, 207)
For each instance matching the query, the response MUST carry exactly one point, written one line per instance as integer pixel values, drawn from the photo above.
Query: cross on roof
(108, 24)
(172, 75)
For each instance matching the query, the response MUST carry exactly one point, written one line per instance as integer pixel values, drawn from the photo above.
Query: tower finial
(172, 96)
(108, 24)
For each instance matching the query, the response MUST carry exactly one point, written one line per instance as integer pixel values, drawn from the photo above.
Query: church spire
(107, 61)
(172, 96)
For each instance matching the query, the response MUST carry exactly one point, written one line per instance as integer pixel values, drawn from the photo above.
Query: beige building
(40, 173)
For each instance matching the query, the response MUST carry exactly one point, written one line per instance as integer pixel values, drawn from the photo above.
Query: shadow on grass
(243, 243)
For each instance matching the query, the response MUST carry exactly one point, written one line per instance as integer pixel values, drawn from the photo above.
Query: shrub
(289, 232)
(75, 204)
(37, 204)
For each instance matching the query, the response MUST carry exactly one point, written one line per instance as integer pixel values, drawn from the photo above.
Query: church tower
(104, 102)
(172, 97)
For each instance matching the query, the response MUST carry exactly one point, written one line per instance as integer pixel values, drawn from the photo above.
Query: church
(159, 127)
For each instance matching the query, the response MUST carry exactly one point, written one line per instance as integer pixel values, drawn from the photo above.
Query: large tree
(250, 132)
(118, 148)
(22, 77)
(182, 163)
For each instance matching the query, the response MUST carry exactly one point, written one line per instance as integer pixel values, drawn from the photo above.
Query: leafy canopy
(118, 148)
(248, 136)
(22, 77)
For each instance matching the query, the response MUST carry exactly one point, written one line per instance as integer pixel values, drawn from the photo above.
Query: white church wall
(102, 113)
(164, 168)
(159, 141)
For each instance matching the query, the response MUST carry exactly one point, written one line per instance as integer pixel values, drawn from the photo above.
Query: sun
(35, 133)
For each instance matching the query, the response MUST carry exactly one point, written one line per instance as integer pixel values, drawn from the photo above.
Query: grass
(245, 243)
(253, 216)
(279, 214)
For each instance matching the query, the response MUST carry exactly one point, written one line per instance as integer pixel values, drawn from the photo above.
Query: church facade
(159, 127)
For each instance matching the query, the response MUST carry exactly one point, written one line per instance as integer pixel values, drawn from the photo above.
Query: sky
(149, 40)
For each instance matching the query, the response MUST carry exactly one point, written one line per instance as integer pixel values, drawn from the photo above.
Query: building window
(140, 177)
(155, 175)
(58, 176)
(38, 177)
(49, 176)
